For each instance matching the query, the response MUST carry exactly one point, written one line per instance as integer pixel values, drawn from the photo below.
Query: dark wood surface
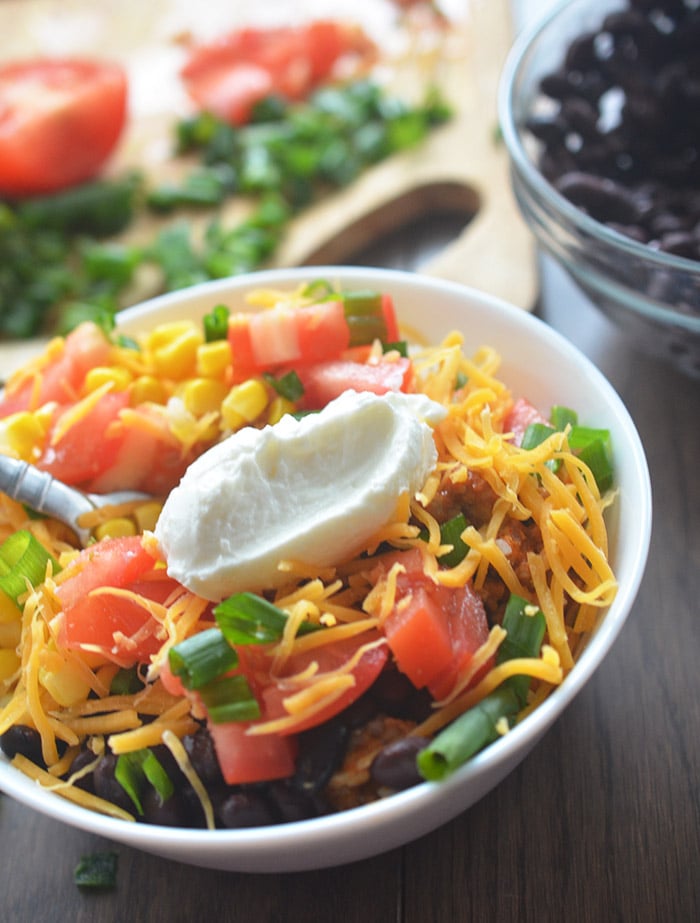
(600, 823)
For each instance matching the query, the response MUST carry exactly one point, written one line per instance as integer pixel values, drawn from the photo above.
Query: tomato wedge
(119, 627)
(229, 75)
(329, 657)
(433, 630)
(269, 339)
(60, 119)
(61, 381)
(244, 758)
(324, 381)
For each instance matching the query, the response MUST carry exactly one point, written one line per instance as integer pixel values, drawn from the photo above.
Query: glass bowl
(653, 295)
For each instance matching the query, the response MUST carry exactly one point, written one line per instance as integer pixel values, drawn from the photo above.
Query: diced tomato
(108, 622)
(433, 630)
(229, 75)
(328, 657)
(245, 758)
(87, 448)
(269, 339)
(325, 381)
(149, 458)
(389, 312)
(61, 381)
(171, 683)
(519, 417)
(59, 122)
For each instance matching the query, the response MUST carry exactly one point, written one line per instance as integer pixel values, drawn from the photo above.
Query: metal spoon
(44, 494)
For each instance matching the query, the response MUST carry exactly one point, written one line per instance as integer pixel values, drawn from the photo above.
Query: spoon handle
(43, 493)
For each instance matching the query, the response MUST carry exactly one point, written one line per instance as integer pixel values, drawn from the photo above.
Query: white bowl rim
(583, 222)
(252, 849)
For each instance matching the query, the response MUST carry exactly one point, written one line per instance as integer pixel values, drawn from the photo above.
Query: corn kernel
(118, 527)
(119, 378)
(164, 334)
(23, 433)
(64, 682)
(9, 664)
(147, 515)
(213, 359)
(176, 356)
(279, 406)
(147, 389)
(244, 403)
(202, 395)
(9, 610)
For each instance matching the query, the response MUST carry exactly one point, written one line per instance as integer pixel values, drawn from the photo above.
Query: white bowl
(537, 363)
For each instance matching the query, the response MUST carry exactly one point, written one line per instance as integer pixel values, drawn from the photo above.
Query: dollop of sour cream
(313, 490)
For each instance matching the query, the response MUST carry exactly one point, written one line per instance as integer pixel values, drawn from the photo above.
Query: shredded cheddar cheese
(64, 694)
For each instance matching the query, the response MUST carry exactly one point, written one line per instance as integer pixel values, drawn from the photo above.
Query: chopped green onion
(23, 560)
(245, 618)
(216, 323)
(364, 316)
(229, 698)
(133, 770)
(126, 682)
(97, 871)
(478, 726)
(155, 773)
(319, 288)
(451, 534)
(526, 625)
(202, 658)
(398, 346)
(288, 386)
(468, 734)
(596, 454)
(561, 417)
(535, 435)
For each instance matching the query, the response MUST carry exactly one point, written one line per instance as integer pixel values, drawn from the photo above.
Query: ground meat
(522, 537)
(474, 497)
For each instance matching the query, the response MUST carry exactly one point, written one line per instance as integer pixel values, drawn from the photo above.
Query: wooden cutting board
(461, 169)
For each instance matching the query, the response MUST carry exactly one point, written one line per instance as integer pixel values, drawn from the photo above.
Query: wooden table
(600, 823)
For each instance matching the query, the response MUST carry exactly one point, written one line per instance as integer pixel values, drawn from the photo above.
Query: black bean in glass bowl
(600, 110)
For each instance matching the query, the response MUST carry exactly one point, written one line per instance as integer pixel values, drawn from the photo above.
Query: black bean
(106, 785)
(244, 809)
(581, 53)
(84, 758)
(604, 199)
(580, 116)
(321, 751)
(680, 243)
(290, 804)
(23, 740)
(173, 812)
(395, 766)
(200, 750)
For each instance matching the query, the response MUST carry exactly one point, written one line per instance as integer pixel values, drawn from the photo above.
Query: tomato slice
(269, 339)
(61, 381)
(229, 75)
(328, 657)
(325, 381)
(87, 447)
(245, 758)
(118, 626)
(59, 122)
(433, 630)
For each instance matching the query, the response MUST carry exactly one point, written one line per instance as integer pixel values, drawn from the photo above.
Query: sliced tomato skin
(60, 119)
(112, 562)
(324, 381)
(245, 758)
